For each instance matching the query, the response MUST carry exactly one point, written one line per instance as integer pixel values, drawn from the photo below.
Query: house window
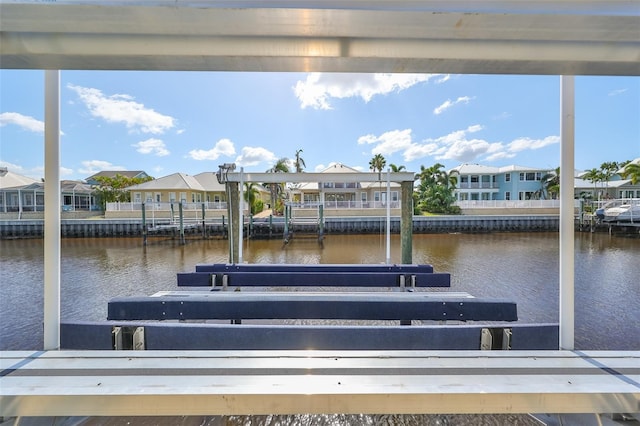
(137, 197)
(394, 195)
(474, 179)
(507, 195)
(183, 197)
(376, 196)
(530, 176)
(363, 197)
(158, 197)
(216, 198)
(148, 196)
(507, 177)
(172, 197)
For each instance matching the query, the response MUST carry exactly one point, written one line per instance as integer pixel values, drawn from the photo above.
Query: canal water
(523, 267)
(520, 266)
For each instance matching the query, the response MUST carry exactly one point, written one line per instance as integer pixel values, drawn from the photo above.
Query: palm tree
(396, 169)
(632, 171)
(299, 163)
(250, 194)
(608, 169)
(594, 176)
(281, 166)
(435, 192)
(377, 163)
(551, 184)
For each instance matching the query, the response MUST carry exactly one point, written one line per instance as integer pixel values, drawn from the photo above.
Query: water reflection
(520, 266)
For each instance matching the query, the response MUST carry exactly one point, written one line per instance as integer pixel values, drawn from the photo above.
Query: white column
(241, 204)
(567, 131)
(388, 216)
(52, 210)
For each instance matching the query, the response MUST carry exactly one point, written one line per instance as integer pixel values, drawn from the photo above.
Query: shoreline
(262, 228)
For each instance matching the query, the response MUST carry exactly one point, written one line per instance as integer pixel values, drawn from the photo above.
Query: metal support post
(388, 250)
(52, 210)
(241, 215)
(567, 133)
(234, 222)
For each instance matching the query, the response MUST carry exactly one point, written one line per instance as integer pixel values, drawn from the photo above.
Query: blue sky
(190, 122)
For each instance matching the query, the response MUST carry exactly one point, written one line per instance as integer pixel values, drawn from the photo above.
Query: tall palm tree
(299, 163)
(594, 176)
(608, 169)
(281, 166)
(632, 171)
(377, 163)
(396, 169)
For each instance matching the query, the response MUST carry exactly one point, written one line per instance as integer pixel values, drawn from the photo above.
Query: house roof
(10, 179)
(480, 169)
(112, 173)
(209, 182)
(65, 186)
(176, 181)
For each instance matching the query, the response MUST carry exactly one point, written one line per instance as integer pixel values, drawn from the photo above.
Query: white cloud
(152, 146)
(388, 142)
(65, 171)
(123, 109)
(521, 144)
(449, 103)
(319, 88)
(23, 121)
(319, 168)
(35, 173)
(91, 167)
(222, 147)
(252, 156)
(457, 145)
(617, 92)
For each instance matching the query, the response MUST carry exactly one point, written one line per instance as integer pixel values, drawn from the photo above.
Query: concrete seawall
(89, 228)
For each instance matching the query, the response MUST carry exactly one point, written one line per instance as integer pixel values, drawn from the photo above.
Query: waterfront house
(22, 197)
(341, 198)
(163, 195)
(483, 183)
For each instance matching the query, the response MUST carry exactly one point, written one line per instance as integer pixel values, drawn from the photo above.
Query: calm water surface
(520, 266)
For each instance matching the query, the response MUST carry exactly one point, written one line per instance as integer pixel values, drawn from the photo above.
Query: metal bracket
(492, 339)
(128, 338)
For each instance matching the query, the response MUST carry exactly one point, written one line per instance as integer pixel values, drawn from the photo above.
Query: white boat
(626, 212)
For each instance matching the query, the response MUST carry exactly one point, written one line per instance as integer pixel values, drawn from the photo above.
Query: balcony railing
(346, 205)
(510, 204)
(165, 206)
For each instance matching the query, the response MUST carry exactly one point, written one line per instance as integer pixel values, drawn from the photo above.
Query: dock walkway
(151, 383)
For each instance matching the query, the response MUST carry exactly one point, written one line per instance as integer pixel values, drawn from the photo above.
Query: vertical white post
(241, 204)
(388, 216)
(567, 160)
(52, 210)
